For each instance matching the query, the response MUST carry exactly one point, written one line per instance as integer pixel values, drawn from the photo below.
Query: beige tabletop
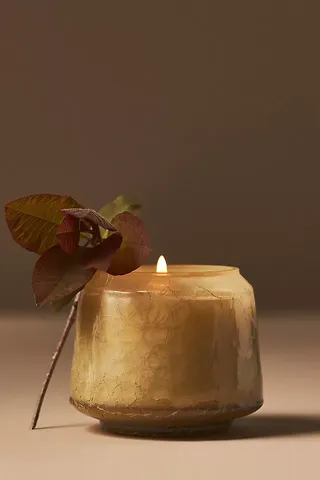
(281, 441)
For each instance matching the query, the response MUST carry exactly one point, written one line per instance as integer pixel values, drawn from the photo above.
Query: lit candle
(161, 345)
(162, 265)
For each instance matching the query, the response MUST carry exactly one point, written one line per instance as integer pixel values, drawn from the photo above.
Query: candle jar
(167, 354)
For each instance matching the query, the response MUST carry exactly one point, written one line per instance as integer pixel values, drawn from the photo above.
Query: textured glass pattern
(161, 353)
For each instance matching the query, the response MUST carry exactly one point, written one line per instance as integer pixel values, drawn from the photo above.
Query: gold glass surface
(167, 353)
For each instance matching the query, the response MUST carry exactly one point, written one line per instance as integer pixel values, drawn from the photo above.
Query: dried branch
(55, 358)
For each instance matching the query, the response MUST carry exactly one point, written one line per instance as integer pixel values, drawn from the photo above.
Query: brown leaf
(135, 244)
(68, 233)
(64, 301)
(90, 216)
(57, 274)
(101, 256)
(33, 220)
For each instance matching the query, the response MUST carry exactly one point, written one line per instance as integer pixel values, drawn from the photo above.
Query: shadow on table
(254, 426)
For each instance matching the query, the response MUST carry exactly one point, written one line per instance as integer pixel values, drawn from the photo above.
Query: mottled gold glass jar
(174, 353)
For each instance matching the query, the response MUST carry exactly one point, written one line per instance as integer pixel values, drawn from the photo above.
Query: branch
(55, 358)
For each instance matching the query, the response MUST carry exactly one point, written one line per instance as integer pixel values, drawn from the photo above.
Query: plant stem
(55, 357)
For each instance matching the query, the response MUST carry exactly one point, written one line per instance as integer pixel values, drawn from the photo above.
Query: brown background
(207, 112)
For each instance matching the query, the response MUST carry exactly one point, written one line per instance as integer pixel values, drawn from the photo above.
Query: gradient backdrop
(206, 112)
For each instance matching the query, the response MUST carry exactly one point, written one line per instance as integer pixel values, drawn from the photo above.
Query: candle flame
(162, 265)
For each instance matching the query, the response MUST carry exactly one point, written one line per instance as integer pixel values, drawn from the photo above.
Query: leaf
(68, 233)
(118, 205)
(64, 301)
(135, 244)
(57, 274)
(90, 216)
(33, 220)
(100, 256)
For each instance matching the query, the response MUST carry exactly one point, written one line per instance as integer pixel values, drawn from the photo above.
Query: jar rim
(187, 270)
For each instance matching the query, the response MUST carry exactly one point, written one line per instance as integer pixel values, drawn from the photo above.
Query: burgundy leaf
(100, 256)
(58, 274)
(68, 233)
(90, 216)
(135, 244)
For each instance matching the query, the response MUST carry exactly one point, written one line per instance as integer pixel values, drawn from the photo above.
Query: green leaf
(135, 246)
(118, 205)
(33, 220)
(58, 274)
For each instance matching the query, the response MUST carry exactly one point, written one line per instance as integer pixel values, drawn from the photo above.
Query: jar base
(165, 432)
(170, 422)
